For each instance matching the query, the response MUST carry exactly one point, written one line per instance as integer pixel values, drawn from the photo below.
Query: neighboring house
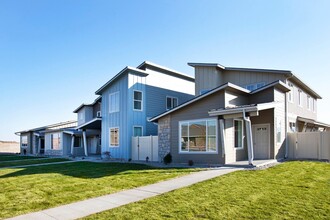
(47, 140)
(135, 95)
(86, 139)
(238, 114)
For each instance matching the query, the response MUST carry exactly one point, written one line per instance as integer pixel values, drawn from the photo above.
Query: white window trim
(51, 141)
(114, 146)
(171, 97)
(300, 98)
(112, 94)
(138, 126)
(199, 152)
(140, 110)
(243, 136)
(309, 103)
(291, 92)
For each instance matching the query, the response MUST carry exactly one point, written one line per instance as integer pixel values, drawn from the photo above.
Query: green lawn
(29, 162)
(25, 190)
(293, 190)
(16, 157)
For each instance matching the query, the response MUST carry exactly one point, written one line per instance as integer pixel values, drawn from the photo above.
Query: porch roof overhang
(92, 124)
(312, 122)
(250, 109)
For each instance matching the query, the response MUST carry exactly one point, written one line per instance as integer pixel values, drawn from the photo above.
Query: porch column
(39, 145)
(85, 143)
(249, 139)
(222, 136)
(72, 144)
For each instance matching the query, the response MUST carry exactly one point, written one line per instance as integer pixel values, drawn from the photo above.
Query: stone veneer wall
(54, 152)
(164, 131)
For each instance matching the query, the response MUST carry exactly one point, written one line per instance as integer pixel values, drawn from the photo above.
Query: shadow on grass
(89, 170)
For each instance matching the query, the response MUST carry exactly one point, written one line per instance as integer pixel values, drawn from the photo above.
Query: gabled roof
(141, 70)
(163, 69)
(52, 126)
(122, 72)
(287, 73)
(277, 84)
(98, 99)
(229, 86)
(224, 86)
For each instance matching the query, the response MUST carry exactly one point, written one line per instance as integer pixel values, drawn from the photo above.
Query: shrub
(168, 158)
(190, 162)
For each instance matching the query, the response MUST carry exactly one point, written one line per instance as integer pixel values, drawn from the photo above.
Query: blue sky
(55, 54)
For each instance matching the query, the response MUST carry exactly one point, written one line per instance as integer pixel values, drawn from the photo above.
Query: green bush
(168, 158)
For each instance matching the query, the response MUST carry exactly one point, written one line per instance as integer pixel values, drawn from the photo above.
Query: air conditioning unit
(98, 114)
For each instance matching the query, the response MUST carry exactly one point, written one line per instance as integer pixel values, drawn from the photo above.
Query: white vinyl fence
(143, 147)
(309, 145)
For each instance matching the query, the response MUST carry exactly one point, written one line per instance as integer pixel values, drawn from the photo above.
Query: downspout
(287, 120)
(222, 136)
(249, 137)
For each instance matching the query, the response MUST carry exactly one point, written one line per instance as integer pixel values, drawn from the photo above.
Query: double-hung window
(171, 102)
(137, 97)
(238, 126)
(291, 92)
(114, 102)
(198, 136)
(114, 137)
(299, 97)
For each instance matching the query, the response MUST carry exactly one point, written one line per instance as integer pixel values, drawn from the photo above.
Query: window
(238, 125)
(114, 137)
(77, 142)
(24, 141)
(292, 126)
(198, 136)
(255, 86)
(291, 92)
(171, 102)
(309, 102)
(56, 141)
(114, 102)
(137, 131)
(98, 114)
(137, 97)
(299, 97)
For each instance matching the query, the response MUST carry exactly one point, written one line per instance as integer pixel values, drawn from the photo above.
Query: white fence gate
(309, 145)
(143, 147)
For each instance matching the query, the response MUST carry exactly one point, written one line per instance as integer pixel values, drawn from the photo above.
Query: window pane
(212, 143)
(137, 95)
(168, 103)
(184, 137)
(55, 141)
(137, 105)
(137, 131)
(238, 134)
(114, 136)
(175, 102)
(197, 136)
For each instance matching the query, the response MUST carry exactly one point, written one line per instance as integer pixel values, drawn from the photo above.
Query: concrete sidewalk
(103, 203)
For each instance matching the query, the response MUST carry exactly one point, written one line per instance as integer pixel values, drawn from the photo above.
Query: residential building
(238, 114)
(135, 95)
(47, 140)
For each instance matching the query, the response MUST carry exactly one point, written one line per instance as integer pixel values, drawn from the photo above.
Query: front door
(261, 143)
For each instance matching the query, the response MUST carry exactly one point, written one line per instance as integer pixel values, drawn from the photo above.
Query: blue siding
(154, 103)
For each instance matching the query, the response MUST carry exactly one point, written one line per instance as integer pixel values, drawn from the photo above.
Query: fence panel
(143, 147)
(309, 145)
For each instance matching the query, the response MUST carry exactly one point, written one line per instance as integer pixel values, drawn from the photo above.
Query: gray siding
(264, 96)
(156, 104)
(207, 78)
(197, 110)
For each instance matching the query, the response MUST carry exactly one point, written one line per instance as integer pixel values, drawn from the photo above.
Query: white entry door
(261, 143)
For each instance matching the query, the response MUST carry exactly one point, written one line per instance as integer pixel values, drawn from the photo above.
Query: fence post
(138, 146)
